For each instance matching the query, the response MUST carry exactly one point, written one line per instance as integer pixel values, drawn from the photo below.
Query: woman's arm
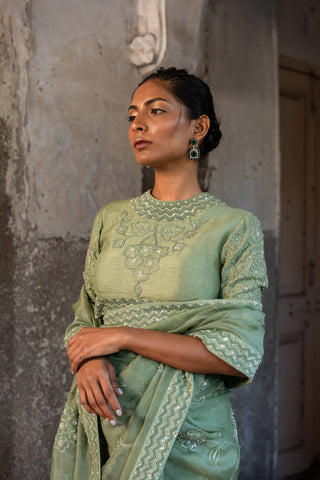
(179, 351)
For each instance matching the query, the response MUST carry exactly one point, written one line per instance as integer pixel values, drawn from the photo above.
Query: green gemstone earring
(194, 151)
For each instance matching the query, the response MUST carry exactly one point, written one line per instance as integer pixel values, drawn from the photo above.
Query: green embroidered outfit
(193, 267)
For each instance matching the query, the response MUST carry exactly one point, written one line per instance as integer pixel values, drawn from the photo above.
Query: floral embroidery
(150, 242)
(66, 436)
(212, 386)
(244, 269)
(191, 439)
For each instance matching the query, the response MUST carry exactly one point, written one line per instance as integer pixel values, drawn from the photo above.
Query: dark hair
(195, 94)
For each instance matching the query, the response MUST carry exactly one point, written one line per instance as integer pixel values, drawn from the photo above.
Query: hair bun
(213, 137)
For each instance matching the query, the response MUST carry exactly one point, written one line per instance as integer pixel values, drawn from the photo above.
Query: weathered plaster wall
(299, 29)
(242, 62)
(80, 81)
(13, 51)
(65, 79)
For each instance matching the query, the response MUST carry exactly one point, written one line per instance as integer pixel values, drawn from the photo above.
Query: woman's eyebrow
(148, 102)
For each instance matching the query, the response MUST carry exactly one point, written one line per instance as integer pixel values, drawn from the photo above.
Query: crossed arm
(96, 378)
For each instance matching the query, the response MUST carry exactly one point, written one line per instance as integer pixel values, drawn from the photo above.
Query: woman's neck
(175, 187)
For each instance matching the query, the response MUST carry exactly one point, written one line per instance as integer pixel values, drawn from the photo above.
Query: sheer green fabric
(193, 267)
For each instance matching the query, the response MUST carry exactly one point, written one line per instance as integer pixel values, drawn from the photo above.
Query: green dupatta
(157, 397)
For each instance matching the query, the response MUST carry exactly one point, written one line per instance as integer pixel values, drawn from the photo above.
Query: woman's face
(160, 129)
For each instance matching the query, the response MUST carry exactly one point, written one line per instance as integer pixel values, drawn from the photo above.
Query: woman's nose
(138, 127)
(139, 124)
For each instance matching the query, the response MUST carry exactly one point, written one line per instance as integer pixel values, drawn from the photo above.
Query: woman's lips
(141, 144)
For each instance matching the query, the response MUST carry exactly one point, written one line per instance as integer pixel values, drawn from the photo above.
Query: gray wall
(66, 79)
(299, 30)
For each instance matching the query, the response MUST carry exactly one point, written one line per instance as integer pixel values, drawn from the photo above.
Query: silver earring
(194, 151)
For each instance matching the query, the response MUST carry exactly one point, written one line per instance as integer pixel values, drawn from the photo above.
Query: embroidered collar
(148, 206)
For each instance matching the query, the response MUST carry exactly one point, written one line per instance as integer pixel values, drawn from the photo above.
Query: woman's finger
(113, 378)
(92, 399)
(99, 404)
(109, 393)
(84, 401)
(104, 393)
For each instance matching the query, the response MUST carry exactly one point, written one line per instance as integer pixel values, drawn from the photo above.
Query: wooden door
(299, 400)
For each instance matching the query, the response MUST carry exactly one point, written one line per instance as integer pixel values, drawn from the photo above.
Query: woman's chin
(143, 162)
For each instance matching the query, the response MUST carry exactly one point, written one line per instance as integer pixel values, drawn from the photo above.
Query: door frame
(313, 72)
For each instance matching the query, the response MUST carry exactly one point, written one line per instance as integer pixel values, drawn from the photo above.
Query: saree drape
(174, 422)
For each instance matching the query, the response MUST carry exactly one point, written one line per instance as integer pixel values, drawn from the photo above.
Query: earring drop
(194, 151)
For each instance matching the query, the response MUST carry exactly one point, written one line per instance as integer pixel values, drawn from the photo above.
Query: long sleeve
(235, 331)
(84, 307)
(243, 272)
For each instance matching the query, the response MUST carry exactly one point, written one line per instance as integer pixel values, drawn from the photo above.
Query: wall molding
(149, 46)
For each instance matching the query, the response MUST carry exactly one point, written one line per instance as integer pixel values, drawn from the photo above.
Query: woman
(169, 317)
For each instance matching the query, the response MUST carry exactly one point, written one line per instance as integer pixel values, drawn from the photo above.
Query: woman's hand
(98, 388)
(93, 342)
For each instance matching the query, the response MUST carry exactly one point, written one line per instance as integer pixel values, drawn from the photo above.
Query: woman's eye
(155, 111)
(131, 118)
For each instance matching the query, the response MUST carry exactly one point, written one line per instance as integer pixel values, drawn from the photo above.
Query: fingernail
(118, 412)
(119, 391)
(113, 422)
(93, 414)
(106, 419)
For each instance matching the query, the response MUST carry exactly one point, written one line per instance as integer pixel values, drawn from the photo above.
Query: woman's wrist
(125, 337)
(121, 337)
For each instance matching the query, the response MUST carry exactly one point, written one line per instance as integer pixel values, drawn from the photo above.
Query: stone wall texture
(65, 83)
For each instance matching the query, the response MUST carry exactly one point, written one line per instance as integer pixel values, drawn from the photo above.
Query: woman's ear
(201, 127)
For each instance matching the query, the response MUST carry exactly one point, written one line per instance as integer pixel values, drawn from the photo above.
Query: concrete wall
(66, 80)
(79, 87)
(299, 29)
